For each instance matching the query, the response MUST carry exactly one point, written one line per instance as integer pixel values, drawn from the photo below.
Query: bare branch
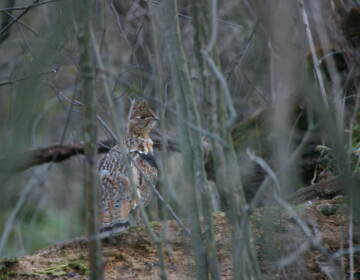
(161, 198)
(14, 81)
(59, 153)
(6, 28)
(10, 220)
(29, 6)
(313, 53)
(5, 20)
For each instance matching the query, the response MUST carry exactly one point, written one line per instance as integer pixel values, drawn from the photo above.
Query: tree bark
(88, 97)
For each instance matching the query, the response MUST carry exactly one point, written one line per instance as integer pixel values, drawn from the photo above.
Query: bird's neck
(139, 143)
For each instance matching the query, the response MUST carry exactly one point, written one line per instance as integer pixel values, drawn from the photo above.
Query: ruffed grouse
(131, 162)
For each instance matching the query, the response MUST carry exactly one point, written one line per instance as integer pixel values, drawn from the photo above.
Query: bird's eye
(142, 117)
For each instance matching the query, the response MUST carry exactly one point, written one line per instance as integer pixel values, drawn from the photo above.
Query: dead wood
(58, 153)
(15, 162)
(327, 189)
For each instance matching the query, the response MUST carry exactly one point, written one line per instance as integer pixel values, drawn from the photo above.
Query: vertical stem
(202, 25)
(313, 53)
(351, 243)
(227, 172)
(87, 94)
(191, 142)
(5, 20)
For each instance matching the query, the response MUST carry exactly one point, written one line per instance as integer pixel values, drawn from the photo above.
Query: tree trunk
(88, 97)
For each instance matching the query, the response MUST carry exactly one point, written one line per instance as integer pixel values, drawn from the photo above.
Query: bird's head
(142, 118)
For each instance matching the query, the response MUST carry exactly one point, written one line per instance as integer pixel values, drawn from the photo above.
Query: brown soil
(132, 255)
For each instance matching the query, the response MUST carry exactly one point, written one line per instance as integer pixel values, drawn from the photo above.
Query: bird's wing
(115, 189)
(148, 177)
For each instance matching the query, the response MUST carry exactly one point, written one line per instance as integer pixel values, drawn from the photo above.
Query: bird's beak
(156, 118)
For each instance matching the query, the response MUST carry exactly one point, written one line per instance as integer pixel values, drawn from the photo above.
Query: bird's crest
(140, 122)
(140, 109)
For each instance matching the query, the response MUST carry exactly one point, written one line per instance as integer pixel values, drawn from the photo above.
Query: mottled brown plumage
(128, 163)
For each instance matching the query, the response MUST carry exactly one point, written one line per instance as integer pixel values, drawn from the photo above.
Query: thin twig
(206, 53)
(225, 87)
(294, 256)
(351, 242)
(11, 218)
(23, 24)
(314, 240)
(100, 62)
(248, 41)
(262, 95)
(144, 216)
(197, 128)
(29, 7)
(76, 102)
(23, 13)
(214, 27)
(218, 19)
(118, 23)
(10, 82)
(343, 252)
(314, 55)
(161, 198)
(264, 166)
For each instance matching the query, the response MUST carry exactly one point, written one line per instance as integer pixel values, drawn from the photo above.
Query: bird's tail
(108, 231)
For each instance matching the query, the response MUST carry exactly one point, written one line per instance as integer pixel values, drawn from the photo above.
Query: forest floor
(133, 255)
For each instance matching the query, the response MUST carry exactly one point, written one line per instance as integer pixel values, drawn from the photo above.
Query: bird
(128, 172)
